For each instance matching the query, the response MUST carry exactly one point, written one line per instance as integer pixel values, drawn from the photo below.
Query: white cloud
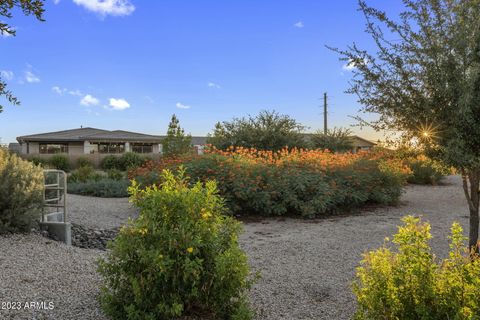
(299, 25)
(89, 100)
(58, 90)
(118, 104)
(76, 92)
(56, 1)
(180, 105)
(6, 74)
(30, 77)
(213, 85)
(4, 34)
(350, 65)
(107, 7)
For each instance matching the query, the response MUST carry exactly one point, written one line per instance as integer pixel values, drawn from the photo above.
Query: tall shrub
(176, 142)
(179, 258)
(60, 162)
(21, 187)
(409, 283)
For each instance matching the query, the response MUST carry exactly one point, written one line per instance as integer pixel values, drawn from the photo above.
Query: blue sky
(131, 64)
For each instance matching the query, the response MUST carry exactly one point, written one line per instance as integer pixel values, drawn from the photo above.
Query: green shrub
(408, 283)
(60, 162)
(115, 174)
(110, 162)
(130, 160)
(21, 188)
(292, 186)
(426, 171)
(39, 161)
(84, 174)
(179, 258)
(84, 162)
(104, 188)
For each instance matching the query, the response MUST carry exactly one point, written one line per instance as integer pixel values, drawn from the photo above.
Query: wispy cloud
(6, 74)
(56, 1)
(213, 85)
(180, 105)
(299, 24)
(118, 104)
(4, 34)
(107, 7)
(350, 65)
(30, 77)
(58, 90)
(76, 92)
(89, 100)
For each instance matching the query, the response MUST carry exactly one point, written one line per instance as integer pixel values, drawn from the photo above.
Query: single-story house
(359, 144)
(91, 141)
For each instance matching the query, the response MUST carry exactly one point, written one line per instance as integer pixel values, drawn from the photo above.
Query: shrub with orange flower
(296, 181)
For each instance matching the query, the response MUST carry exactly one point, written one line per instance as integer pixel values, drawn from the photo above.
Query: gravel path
(99, 213)
(306, 265)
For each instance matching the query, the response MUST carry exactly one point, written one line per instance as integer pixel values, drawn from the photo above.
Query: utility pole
(325, 113)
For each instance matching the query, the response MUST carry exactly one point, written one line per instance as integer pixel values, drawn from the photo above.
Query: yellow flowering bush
(179, 258)
(409, 283)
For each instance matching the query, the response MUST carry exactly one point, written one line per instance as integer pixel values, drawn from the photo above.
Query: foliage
(60, 162)
(299, 182)
(84, 162)
(84, 174)
(110, 162)
(269, 130)
(21, 198)
(129, 160)
(124, 162)
(408, 283)
(426, 83)
(179, 258)
(176, 142)
(336, 140)
(104, 188)
(426, 171)
(39, 161)
(115, 174)
(28, 7)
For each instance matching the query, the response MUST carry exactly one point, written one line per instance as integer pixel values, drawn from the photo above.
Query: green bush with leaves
(408, 283)
(115, 174)
(179, 258)
(84, 162)
(336, 140)
(60, 162)
(84, 174)
(39, 161)
(104, 188)
(21, 198)
(110, 162)
(426, 171)
(130, 160)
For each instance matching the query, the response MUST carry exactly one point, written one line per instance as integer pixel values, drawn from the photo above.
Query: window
(50, 148)
(142, 147)
(111, 147)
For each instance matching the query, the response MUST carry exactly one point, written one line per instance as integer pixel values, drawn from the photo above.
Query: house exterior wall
(76, 148)
(33, 148)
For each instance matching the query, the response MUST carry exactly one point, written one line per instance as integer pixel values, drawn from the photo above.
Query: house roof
(357, 141)
(91, 134)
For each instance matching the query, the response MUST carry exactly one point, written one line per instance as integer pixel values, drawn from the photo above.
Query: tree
(424, 80)
(336, 140)
(176, 142)
(269, 130)
(28, 7)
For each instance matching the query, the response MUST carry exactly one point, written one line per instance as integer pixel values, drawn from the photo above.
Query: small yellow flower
(205, 214)
(143, 231)
(189, 249)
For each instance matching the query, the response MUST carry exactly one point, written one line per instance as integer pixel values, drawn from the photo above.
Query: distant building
(92, 140)
(360, 144)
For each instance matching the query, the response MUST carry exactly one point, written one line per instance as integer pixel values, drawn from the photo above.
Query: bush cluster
(297, 182)
(180, 258)
(124, 162)
(21, 193)
(105, 188)
(58, 161)
(408, 283)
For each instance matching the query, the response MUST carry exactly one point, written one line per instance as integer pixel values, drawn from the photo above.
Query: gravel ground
(99, 213)
(306, 265)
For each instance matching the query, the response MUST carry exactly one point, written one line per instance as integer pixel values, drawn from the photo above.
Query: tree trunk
(471, 187)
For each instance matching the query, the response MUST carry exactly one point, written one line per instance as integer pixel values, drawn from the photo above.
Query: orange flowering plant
(290, 181)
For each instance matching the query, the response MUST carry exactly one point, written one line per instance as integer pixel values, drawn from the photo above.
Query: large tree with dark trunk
(423, 80)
